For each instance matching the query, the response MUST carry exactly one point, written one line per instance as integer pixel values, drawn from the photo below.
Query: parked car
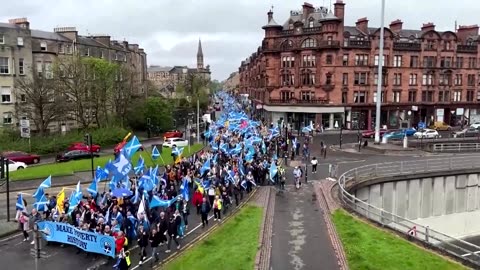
(426, 134)
(83, 147)
(467, 132)
(15, 165)
(172, 134)
(179, 142)
(394, 135)
(475, 125)
(371, 133)
(409, 131)
(440, 126)
(74, 155)
(22, 157)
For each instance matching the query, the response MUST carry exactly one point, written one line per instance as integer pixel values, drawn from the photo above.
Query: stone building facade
(24, 50)
(316, 68)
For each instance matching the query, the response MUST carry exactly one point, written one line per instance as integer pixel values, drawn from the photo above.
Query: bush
(55, 143)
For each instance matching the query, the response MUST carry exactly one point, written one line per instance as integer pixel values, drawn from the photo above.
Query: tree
(124, 89)
(157, 109)
(38, 100)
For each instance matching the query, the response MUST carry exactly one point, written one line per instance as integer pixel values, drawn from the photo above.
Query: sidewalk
(379, 149)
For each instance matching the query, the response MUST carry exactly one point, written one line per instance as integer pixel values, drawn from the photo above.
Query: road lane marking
(471, 253)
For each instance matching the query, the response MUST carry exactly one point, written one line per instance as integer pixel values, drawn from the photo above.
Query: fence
(456, 147)
(456, 247)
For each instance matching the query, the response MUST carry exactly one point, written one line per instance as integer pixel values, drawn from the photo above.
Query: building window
(458, 79)
(7, 118)
(457, 96)
(329, 40)
(430, 45)
(382, 97)
(470, 95)
(19, 41)
(287, 79)
(308, 78)
(329, 59)
(472, 62)
(359, 97)
(43, 46)
(397, 60)
(87, 52)
(288, 62)
(39, 69)
(397, 79)
(345, 60)
(344, 97)
(444, 96)
(309, 43)
(21, 66)
(69, 49)
(23, 98)
(4, 68)
(61, 48)
(427, 96)
(427, 79)
(360, 78)
(478, 96)
(6, 94)
(396, 97)
(412, 79)
(412, 96)
(345, 79)
(101, 54)
(2, 39)
(384, 79)
(377, 60)
(310, 23)
(448, 45)
(48, 70)
(459, 63)
(328, 79)
(413, 61)
(429, 61)
(307, 95)
(445, 62)
(444, 79)
(286, 95)
(308, 61)
(471, 79)
(361, 60)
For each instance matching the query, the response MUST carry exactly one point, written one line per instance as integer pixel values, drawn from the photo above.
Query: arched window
(309, 43)
(470, 42)
(287, 44)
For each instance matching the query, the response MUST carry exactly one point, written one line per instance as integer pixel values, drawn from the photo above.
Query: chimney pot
(362, 24)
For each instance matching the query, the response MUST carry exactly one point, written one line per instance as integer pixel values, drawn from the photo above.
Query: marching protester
(150, 207)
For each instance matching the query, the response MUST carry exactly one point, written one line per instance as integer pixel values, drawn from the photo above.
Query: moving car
(371, 133)
(394, 135)
(179, 142)
(440, 126)
(172, 134)
(467, 132)
(426, 134)
(83, 147)
(409, 131)
(22, 157)
(74, 155)
(15, 165)
(475, 125)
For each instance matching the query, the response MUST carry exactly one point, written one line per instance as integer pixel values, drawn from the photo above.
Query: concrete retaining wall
(423, 197)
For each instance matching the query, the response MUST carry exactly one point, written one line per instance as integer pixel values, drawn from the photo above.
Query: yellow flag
(226, 124)
(179, 159)
(60, 199)
(199, 186)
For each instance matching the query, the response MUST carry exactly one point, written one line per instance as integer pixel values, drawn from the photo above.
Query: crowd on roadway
(240, 154)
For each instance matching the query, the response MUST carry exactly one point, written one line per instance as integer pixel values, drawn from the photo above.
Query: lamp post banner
(85, 240)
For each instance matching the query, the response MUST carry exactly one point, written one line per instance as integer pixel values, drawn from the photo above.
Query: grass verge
(234, 246)
(68, 168)
(367, 247)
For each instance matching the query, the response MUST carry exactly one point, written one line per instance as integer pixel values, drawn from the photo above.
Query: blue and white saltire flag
(308, 128)
(164, 178)
(140, 165)
(101, 174)
(206, 167)
(177, 151)
(41, 205)
(184, 190)
(215, 158)
(126, 183)
(230, 176)
(146, 181)
(244, 184)
(131, 147)
(294, 143)
(47, 183)
(155, 153)
(154, 176)
(141, 208)
(136, 197)
(264, 148)
(273, 171)
(92, 189)
(157, 202)
(78, 191)
(120, 167)
(20, 205)
(38, 194)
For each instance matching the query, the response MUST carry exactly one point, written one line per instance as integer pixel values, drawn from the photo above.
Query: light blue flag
(120, 167)
(264, 148)
(206, 167)
(294, 143)
(136, 197)
(146, 181)
(154, 176)
(131, 147)
(101, 174)
(155, 153)
(140, 165)
(41, 205)
(78, 192)
(273, 171)
(20, 205)
(184, 190)
(38, 194)
(47, 183)
(157, 202)
(308, 128)
(92, 189)
(177, 151)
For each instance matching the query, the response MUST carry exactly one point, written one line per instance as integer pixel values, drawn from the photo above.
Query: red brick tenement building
(315, 68)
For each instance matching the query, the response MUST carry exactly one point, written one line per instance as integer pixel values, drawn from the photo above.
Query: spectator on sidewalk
(314, 163)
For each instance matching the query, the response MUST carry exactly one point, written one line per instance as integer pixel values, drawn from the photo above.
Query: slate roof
(48, 35)
(158, 69)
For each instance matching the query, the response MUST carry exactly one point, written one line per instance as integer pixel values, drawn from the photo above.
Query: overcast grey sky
(230, 29)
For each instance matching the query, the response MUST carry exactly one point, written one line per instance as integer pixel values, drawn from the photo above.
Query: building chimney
(307, 9)
(339, 9)
(270, 16)
(396, 26)
(68, 32)
(428, 27)
(21, 22)
(102, 39)
(464, 31)
(362, 25)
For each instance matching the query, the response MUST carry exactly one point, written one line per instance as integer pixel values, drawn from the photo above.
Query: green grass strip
(68, 168)
(234, 246)
(370, 248)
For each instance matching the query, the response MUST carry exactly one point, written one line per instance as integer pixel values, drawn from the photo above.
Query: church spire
(200, 55)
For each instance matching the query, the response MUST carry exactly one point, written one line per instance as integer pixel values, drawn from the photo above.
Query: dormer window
(43, 46)
(310, 23)
(470, 42)
(290, 26)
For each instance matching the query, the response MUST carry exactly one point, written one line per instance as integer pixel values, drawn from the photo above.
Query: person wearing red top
(197, 200)
(119, 242)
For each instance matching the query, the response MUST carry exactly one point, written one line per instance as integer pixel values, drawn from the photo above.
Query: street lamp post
(380, 79)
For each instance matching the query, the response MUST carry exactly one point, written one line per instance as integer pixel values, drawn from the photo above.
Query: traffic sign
(422, 125)
(25, 128)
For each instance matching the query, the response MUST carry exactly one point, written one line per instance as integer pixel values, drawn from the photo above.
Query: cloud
(230, 29)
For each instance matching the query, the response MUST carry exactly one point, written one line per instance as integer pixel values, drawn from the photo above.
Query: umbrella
(121, 192)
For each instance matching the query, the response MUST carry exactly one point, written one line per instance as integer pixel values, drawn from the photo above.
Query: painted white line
(10, 237)
(471, 253)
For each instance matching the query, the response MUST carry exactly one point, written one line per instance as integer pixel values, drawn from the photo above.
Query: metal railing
(456, 147)
(454, 246)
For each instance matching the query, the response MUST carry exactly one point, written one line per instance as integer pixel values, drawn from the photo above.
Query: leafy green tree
(158, 109)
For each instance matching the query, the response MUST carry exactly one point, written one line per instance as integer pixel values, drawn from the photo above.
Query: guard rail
(456, 147)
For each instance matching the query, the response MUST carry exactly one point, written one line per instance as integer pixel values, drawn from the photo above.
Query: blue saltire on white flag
(140, 165)
(20, 205)
(273, 171)
(157, 202)
(120, 167)
(47, 183)
(155, 153)
(92, 189)
(131, 147)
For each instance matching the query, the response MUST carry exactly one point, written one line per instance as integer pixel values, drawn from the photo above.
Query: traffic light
(86, 139)
(148, 121)
(174, 123)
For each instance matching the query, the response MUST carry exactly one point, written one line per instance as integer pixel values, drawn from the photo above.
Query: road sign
(422, 125)
(25, 128)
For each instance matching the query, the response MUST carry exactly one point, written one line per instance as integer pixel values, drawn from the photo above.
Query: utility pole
(36, 251)
(198, 120)
(5, 174)
(380, 75)
(88, 141)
